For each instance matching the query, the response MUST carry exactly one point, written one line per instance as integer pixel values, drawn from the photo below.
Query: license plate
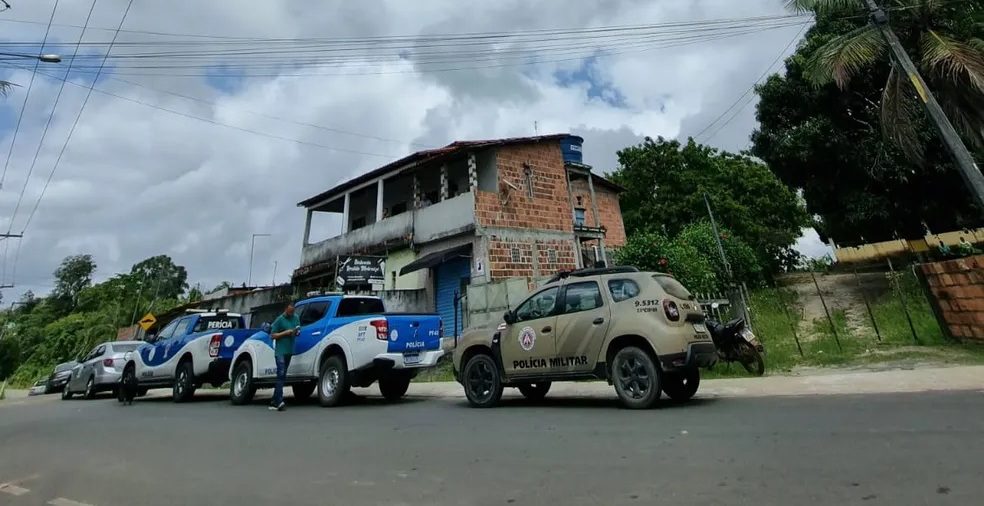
(411, 358)
(700, 328)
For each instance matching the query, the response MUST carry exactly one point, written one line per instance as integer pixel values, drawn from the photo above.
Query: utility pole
(969, 171)
(252, 244)
(717, 239)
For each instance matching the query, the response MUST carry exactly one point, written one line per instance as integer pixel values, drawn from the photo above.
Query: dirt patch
(841, 293)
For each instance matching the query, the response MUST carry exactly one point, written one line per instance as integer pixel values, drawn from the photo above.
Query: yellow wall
(395, 261)
(878, 250)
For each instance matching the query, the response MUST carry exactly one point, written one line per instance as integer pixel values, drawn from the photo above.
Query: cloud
(138, 181)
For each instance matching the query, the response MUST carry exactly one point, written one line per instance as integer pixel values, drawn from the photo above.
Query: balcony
(444, 219)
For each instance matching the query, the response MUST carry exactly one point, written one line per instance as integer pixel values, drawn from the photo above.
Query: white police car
(344, 341)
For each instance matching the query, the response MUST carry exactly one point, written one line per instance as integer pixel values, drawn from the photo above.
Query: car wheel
(66, 393)
(90, 389)
(480, 377)
(333, 382)
(184, 384)
(242, 390)
(394, 386)
(303, 390)
(535, 391)
(751, 359)
(681, 386)
(636, 378)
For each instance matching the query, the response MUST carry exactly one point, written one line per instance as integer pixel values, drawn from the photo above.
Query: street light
(46, 58)
(252, 244)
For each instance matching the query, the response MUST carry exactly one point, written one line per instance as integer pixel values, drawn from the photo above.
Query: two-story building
(470, 212)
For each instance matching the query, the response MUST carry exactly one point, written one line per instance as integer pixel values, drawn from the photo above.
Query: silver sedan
(100, 370)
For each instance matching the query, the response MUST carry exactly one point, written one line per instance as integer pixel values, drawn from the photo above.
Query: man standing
(284, 329)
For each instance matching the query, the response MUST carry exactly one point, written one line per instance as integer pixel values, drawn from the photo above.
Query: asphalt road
(899, 449)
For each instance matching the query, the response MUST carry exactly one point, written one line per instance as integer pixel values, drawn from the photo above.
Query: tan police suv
(641, 331)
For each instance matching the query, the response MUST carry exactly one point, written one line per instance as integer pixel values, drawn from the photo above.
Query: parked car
(40, 388)
(187, 353)
(100, 370)
(641, 331)
(344, 341)
(60, 375)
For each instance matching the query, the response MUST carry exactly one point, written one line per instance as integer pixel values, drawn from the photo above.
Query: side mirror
(509, 317)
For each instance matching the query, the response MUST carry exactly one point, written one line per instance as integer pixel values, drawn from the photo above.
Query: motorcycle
(735, 342)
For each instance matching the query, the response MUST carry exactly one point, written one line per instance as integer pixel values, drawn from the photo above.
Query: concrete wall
(957, 289)
(245, 303)
(444, 219)
(407, 301)
(395, 261)
(609, 211)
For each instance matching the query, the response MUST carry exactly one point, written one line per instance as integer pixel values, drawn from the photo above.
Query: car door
(171, 347)
(527, 345)
(84, 370)
(151, 355)
(582, 324)
(312, 317)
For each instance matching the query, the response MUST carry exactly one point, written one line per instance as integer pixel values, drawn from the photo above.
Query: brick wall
(609, 211)
(503, 266)
(958, 289)
(549, 209)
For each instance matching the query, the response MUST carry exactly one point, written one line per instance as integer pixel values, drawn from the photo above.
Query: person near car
(283, 331)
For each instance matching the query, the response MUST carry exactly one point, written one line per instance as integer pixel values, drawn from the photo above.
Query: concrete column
(379, 201)
(444, 182)
(345, 213)
(472, 172)
(307, 227)
(570, 196)
(597, 220)
(416, 192)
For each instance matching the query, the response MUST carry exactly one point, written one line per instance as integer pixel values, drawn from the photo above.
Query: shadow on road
(591, 402)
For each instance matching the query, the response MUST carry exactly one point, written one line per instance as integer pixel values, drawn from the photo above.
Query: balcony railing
(443, 219)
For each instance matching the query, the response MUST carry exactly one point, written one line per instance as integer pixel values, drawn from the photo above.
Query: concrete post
(307, 227)
(597, 220)
(345, 213)
(379, 201)
(444, 182)
(472, 172)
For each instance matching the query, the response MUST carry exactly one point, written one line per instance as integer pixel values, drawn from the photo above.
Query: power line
(27, 95)
(767, 71)
(75, 124)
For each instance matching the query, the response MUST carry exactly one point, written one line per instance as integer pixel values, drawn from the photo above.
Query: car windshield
(64, 367)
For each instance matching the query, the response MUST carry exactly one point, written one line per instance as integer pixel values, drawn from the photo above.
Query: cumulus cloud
(137, 181)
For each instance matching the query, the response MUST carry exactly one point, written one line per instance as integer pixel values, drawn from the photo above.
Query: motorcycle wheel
(751, 359)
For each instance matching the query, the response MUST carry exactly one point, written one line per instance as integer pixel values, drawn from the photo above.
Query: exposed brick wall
(958, 287)
(502, 266)
(609, 211)
(549, 209)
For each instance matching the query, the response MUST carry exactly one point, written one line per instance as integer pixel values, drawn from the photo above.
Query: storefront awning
(428, 261)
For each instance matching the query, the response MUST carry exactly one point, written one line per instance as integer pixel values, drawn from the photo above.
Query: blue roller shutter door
(451, 276)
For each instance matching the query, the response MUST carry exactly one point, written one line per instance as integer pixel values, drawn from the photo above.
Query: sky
(150, 172)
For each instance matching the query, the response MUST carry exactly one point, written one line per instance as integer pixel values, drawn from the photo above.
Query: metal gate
(451, 277)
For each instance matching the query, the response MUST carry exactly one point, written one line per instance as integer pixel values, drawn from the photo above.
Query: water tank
(570, 146)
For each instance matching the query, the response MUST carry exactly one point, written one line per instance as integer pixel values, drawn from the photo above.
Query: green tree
(828, 143)
(160, 278)
(666, 182)
(71, 277)
(943, 39)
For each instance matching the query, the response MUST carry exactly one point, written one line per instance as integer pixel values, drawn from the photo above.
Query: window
(124, 348)
(92, 354)
(579, 217)
(582, 297)
(540, 305)
(167, 332)
(623, 289)
(314, 312)
(100, 351)
(183, 327)
(359, 306)
(218, 322)
(358, 223)
(672, 286)
(515, 254)
(552, 256)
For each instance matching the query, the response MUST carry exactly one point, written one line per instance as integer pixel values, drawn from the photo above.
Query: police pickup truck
(190, 351)
(344, 341)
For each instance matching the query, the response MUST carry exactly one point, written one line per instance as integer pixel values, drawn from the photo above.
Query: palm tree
(5, 87)
(944, 39)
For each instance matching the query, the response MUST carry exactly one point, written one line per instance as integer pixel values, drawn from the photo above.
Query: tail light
(382, 329)
(671, 310)
(108, 362)
(213, 345)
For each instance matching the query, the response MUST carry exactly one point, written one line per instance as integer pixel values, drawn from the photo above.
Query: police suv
(344, 341)
(187, 353)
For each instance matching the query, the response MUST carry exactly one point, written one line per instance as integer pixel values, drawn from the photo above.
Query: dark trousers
(283, 362)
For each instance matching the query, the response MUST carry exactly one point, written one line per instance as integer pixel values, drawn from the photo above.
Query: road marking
(10, 488)
(61, 501)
